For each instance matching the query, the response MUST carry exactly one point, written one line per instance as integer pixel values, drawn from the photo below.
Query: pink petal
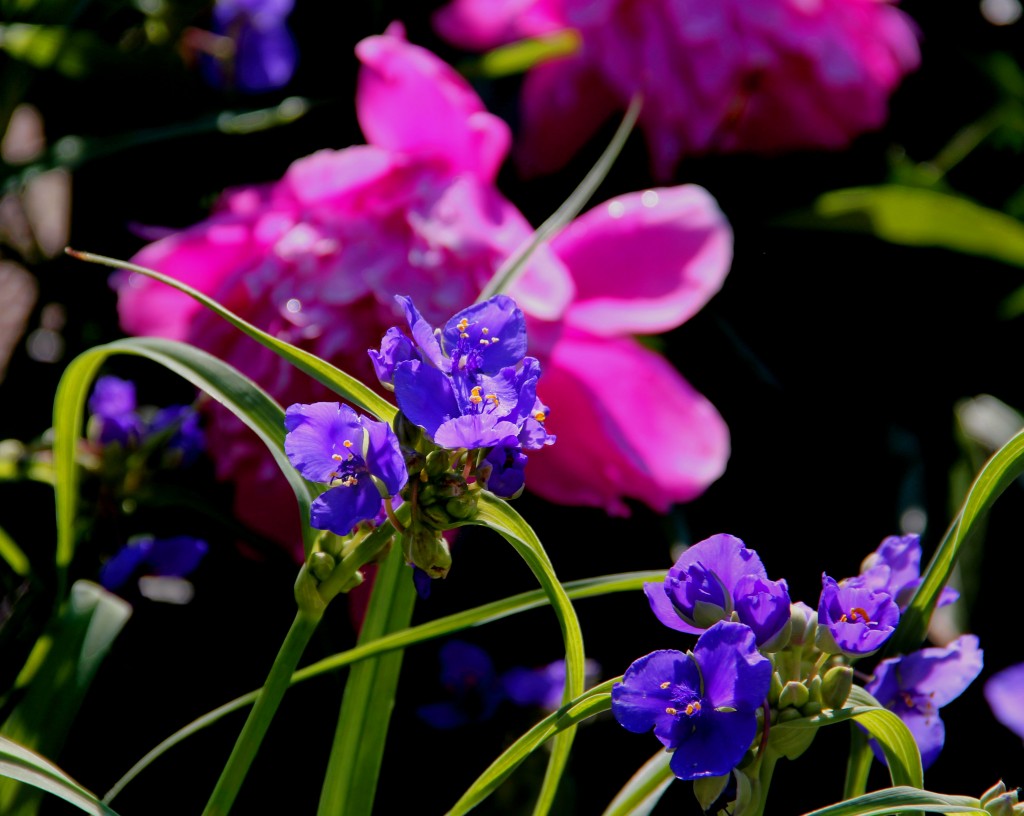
(628, 426)
(411, 102)
(563, 103)
(202, 257)
(645, 262)
(334, 177)
(479, 25)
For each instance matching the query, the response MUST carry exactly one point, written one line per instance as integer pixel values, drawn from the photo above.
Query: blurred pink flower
(733, 75)
(317, 257)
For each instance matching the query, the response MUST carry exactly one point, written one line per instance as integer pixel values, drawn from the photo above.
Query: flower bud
(428, 550)
(436, 516)
(1005, 804)
(321, 564)
(409, 434)
(836, 685)
(997, 789)
(789, 714)
(794, 694)
(715, 793)
(438, 462)
(775, 689)
(462, 507)
(814, 688)
(804, 622)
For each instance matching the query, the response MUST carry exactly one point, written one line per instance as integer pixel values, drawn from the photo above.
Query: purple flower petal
(316, 434)
(736, 675)
(384, 456)
(716, 747)
(341, 508)
(476, 431)
(496, 329)
(1004, 692)
(424, 395)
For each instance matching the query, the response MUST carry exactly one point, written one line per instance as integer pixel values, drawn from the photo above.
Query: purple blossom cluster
(761, 659)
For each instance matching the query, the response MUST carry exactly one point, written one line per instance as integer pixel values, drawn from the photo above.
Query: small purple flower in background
(715, 578)
(701, 705)
(467, 673)
(187, 435)
(895, 567)
(1004, 692)
(359, 458)
(727, 76)
(145, 555)
(112, 405)
(854, 620)
(917, 685)
(265, 53)
(543, 686)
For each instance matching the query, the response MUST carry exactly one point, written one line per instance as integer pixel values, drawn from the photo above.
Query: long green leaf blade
(345, 385)
(27, 767)
(900, 799)
(644, 789)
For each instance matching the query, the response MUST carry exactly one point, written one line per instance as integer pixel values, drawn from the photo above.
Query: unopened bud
(462, 507)
(409, 433)
(997, 789)
(438, 462)
(436, 516)
(794, 694)
(804, 622)
(428, 550)
(836, 685)
(775, 689)
(814, 687)
(321, 564)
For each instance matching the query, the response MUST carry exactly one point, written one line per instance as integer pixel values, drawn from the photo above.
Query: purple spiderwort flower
(543, 686)
(112, 403)
(895, 567)
(701, 705)
(715, 578)
(265, 52)
(854, 620)
(145, 555)
(1004, 692)
(359, 458)
(917, 685)
(475, 690)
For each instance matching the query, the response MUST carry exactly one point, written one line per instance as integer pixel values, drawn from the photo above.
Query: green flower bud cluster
(999, 801)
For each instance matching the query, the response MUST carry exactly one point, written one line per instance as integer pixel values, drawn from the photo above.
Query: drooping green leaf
(900, 799)
(76, 644)
(895, 739)
(644, 789)
(478, 616)
(28, 768)
(218, 379)
(346, 386)
(564, 720)
(998, 473)
(917, 216)
(520, 56)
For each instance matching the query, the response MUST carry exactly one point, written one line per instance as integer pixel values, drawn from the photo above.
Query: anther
(858, 612)
(540, 416)
(347, 444)
(666, 684)
(692, 708)
(474, 395)
(485, 330)
(671, 711)
(492, 398)
(337, 457)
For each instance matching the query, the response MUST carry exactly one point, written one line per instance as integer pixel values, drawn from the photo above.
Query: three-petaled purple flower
(854, 620)
(917, 685)
(714, 579)
(701, 705)
(358, 457)
(470, 385)
(265, 53)
(895, 567)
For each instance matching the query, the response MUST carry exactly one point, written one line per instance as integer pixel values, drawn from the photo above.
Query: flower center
(857, 614)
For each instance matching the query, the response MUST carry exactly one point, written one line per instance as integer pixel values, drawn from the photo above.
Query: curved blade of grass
(998, 473)
(218, 379)
(501, 518)
(571, 207)
(562, 721)
(644, 789)
(345, 385)
(900, 799)
(895, 739)
(858, 765)
(11, 553)
(487, 613)
(18, 762)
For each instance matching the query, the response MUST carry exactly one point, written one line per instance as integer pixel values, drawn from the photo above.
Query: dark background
(836, 360)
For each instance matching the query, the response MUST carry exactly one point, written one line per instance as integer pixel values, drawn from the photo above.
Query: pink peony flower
(317, 257)
(734, 75)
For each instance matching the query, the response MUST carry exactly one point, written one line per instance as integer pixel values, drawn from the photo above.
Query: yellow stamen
(492, 398)
(666, 684)
(464, 336)
(336, 457)
(671, 711)
(855, 613)
(474, 395)
(540, 416)
(349, 481)
(485, 330)
(347, 444)
(692, 709)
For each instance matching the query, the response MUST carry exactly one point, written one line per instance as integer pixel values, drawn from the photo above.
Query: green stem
(350, 783)
(263, 711)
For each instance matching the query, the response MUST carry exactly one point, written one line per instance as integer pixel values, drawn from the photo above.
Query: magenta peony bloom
(317, 258)
(736, 75)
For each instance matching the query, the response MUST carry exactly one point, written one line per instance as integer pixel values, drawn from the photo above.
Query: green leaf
(998, 473)
(346, 386)
(562, 721)
(520, 56)
(900, 799)
(353, 768)
(75, 646)
(858, 764)
(218, 379)
(644, 789)
(499, 516)
(895, 739)
(917, 216)
(12, 554)
(27, 767)
(478, 616)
